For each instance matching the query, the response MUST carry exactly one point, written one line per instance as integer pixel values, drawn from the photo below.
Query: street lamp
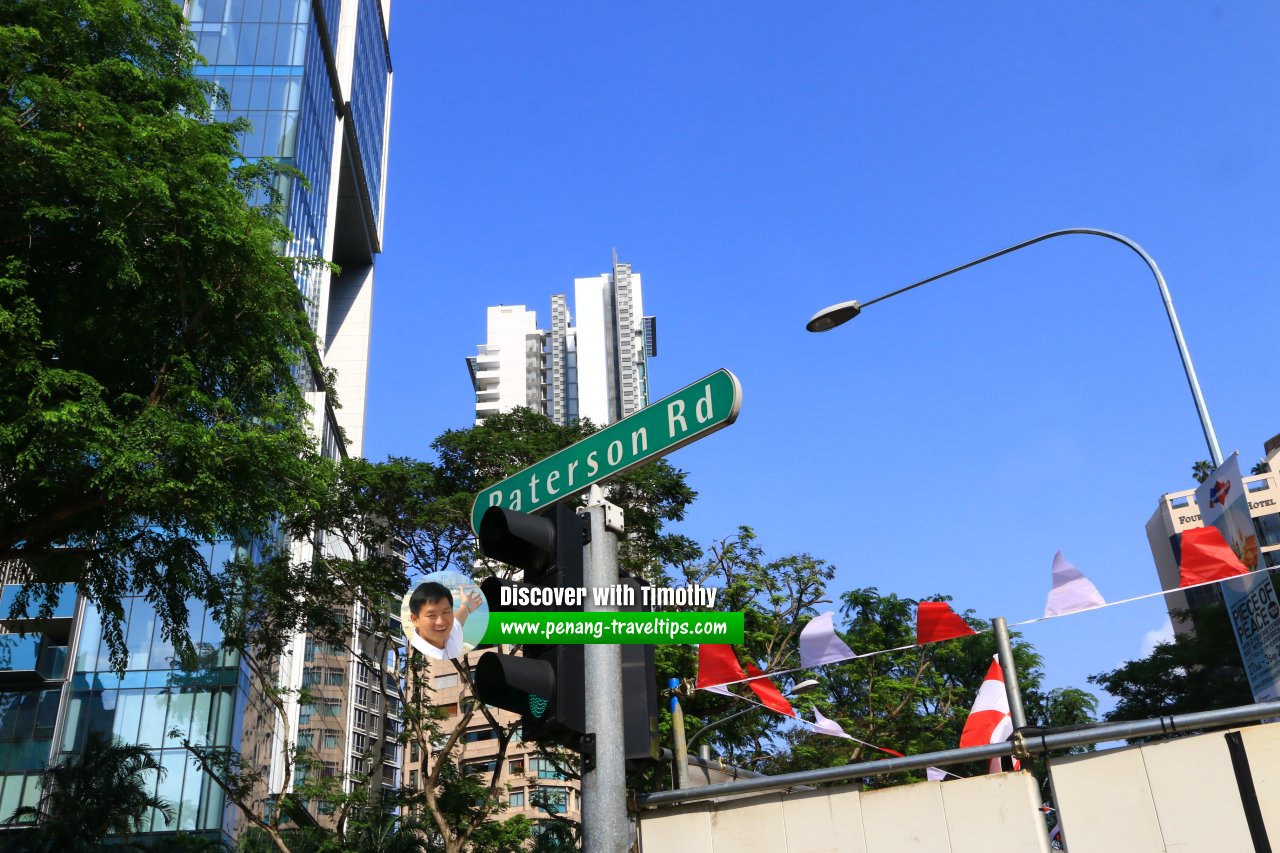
(843, 312)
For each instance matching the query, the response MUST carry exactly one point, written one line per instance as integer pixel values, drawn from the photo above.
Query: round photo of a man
(444, 615)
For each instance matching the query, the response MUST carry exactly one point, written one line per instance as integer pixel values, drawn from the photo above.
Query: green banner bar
(626, 628)
(707, 405)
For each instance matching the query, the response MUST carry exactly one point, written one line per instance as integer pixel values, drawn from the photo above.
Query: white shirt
(453, 647)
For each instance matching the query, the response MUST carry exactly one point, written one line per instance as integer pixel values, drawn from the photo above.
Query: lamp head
(804, 686)
(835, 315)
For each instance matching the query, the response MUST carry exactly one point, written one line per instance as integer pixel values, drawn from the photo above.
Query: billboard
(1251, 599)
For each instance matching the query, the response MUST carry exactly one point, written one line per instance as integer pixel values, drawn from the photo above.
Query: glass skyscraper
(314, 79)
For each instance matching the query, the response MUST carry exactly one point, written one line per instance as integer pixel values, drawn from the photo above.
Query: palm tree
(105, 789)
(1202, 470)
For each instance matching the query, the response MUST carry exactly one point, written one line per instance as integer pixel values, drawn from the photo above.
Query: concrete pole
(605, 828)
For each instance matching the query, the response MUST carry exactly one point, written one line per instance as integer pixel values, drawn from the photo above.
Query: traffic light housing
(545, 685)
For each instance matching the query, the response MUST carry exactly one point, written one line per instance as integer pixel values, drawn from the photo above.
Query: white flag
(823, 726)
(935, 774)
(820, 645)
(1072, 591)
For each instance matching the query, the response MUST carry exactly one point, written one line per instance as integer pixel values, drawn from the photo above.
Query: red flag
(936, 621)
(768, 692)
(1206, 556)
(717, 664)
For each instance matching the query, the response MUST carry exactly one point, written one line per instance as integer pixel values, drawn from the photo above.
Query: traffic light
(546, 685)
(639, 694)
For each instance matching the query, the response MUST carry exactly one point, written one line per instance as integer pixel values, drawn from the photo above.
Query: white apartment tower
(595, 369)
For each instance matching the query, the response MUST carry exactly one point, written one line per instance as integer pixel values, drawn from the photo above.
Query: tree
(1202, 470)
(1196, 671)
(153, 343)
(368, 529)
(102, 790)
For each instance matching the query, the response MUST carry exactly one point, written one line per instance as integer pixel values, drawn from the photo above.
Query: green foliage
(102, 790)
(1202, 470)
(1198, 671)
(149, 330)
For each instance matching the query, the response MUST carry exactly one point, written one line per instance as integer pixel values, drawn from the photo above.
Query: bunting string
(978, 632)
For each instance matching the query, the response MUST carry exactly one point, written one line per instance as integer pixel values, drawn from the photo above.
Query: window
(330, 739)
(515, 799)
(480, 734)
(554, 800)
(359, 718)
(362, 695)
(1258, 485)
(306, 739)
(357, 764)
(334, 677)
(331, 707)
(330, 769)
(1268, 529)
(305, 710)
(516, 766)
(414, 751)
(481, 767)
(1179, 503)
(310, 676)
(377, 700)
(362, 673)
(413, 780)
(545, 769)
(357, 742)
(449, 679)
(310, 653)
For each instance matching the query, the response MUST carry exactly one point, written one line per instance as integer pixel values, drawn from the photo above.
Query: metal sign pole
(604, 794)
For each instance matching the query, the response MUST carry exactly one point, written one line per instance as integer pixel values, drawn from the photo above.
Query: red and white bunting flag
(768, 692)
(819, 644)
(1206, 556)
(989, 720)
(1072, 591)
(936, 621)
(717, 664)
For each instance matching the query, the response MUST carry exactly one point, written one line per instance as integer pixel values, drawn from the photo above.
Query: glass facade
(157, 703)
(268, 58)
(369, 95)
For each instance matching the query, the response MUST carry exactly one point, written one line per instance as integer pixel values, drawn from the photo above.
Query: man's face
(434, 621)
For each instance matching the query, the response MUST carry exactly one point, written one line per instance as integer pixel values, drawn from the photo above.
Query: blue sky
(756, 162)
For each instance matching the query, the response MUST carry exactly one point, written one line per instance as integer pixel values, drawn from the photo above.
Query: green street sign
(659, 428)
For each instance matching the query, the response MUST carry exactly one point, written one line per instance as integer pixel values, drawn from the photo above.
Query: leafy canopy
(153, 344)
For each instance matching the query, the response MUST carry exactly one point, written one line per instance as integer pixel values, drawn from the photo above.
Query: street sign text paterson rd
(656, 430)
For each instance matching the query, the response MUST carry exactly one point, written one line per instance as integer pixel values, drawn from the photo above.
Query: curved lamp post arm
(732, 716)
(829, 318)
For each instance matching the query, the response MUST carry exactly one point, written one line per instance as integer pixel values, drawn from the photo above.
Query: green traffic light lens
(537, 705)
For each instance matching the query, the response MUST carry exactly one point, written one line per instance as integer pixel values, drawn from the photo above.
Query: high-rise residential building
(592, 364)
(1177, 511)
(314, 78)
